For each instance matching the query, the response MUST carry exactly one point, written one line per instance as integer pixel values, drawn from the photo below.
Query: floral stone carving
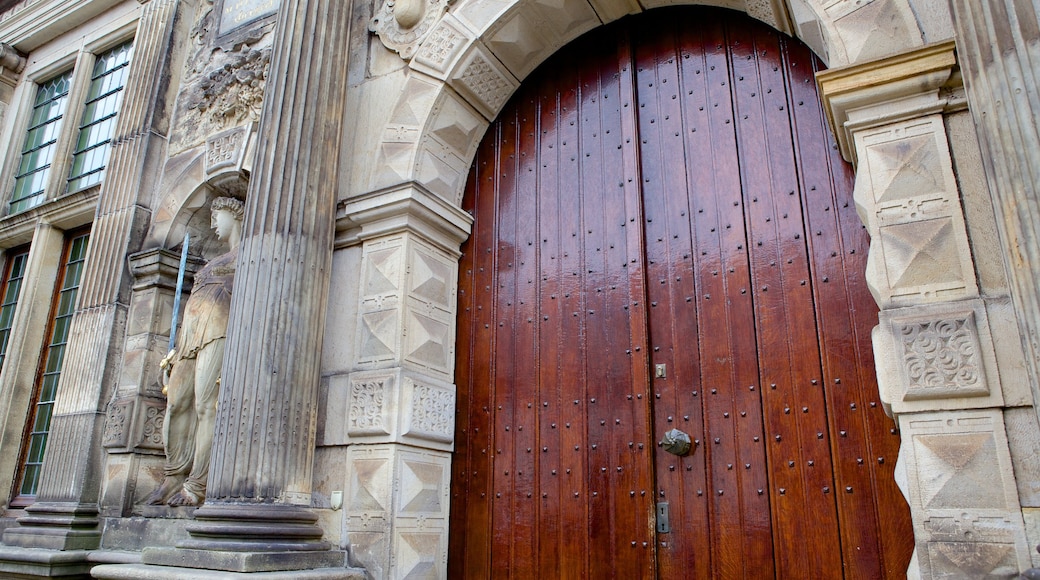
(403, 24)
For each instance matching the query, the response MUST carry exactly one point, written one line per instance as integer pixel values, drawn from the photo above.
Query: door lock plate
(663, 527)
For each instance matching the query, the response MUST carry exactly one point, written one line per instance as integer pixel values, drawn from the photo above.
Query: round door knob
(676, 442)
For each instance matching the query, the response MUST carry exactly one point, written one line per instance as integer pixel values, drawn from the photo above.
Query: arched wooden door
(665, 239)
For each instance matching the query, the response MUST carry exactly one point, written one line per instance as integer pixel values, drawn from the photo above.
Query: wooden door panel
(863, 438)
(665, 191)
(801, 487)
(568, 402)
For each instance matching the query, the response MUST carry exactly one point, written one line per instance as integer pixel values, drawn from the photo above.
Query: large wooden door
(664, 238)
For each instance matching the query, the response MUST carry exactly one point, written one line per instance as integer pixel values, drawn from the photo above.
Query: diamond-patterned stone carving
(904, 168)
(379, 335)
(520, 43)
(416, 555)
(972, 560)
(906, 192)
(920, 254)
(397, 514)
(873, 28)
(382, 272)
(427, 342)
(488, 83)
(961, 488)
(955, 470)
(437, 54)
(421, 491)
(368, 489)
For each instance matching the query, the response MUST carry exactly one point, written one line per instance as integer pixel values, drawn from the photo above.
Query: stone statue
(191, 371)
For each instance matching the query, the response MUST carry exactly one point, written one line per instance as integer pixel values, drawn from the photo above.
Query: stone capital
(12, 63)
(158, 268)
(406, 208)
(897, 88)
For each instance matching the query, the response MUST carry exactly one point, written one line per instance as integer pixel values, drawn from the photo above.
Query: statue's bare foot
(167, 488)
(184, 498)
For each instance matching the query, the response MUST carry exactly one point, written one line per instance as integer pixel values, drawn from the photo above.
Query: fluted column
(255, 515)
(999, 48)
(65, 513)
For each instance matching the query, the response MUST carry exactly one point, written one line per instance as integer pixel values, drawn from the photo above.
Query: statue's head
(226, 218)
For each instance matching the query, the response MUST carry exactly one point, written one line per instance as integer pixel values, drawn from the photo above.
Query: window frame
(11, 255)
(18, 499)
(80, 60)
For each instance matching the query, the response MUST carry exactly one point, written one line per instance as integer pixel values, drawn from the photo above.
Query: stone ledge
(39, 563)
(244, 562)
(147, 572)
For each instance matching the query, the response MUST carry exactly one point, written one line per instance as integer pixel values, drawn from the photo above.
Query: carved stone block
(397, 510)
(445, 43)
(226, 150)
(403, 24)
(382, 280)
(372, 403)
(937, 356)
(407, 306)
(520, 40)
(486, 82)
(907, 196)
(428, 412)
(396, 406)
(151, 415)
(962, 492)
(870, 29)
(118, 422)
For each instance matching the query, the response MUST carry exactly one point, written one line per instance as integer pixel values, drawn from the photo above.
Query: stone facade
(349, 128)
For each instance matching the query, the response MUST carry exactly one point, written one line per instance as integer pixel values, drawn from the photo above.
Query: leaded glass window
(99, 117)
(40, 142)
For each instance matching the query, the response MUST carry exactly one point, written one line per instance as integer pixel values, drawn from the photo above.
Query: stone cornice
(40, 21)
(884, 91)
(66, 212)
(408, 207)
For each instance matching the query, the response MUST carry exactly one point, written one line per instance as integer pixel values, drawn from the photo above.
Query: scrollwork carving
(433, 412)
(116, 424)
(366, 406)
(942, 355)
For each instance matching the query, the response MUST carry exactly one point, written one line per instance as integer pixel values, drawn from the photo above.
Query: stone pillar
(256, 517)
(999, 46)
(935, 347)
(65, 515)
(999, 49)
(398, 419)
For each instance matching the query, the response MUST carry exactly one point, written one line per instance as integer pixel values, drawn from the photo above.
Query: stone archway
(888, 116)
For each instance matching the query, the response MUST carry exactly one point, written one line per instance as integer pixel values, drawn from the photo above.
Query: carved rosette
(403, 24)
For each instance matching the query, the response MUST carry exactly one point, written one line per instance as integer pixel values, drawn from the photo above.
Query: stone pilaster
(399, 419)
(997, 44)
(256, 517)
(133, 427)
(65, 515)
(934, 346)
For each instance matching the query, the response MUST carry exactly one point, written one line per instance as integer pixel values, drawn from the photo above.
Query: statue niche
(191, 371)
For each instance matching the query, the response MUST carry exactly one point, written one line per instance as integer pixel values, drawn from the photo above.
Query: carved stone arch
(472, 61)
